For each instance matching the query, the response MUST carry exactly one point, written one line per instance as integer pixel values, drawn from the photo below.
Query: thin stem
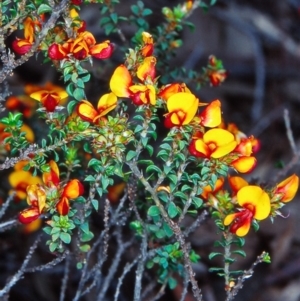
(227, 254)
(15, 278)
(247, 274)
(65, 279)
(175, 227)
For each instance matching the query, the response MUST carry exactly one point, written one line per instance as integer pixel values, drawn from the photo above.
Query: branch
(175, 228)
(15, 278)
(9, 61)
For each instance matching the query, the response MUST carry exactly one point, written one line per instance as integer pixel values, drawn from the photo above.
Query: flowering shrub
(146, 157)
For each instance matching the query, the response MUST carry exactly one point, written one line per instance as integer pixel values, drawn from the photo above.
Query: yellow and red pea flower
(72, 190)
(59, 52)
(215, 143)
(51, 178)
(22, 46)
(208, 190)
(287, 189)
(81, 47)
(19, 180)
(143, 94)
(49, 98)
(102, 50)
(36, 196)
(211, 116)
(148, 47)
(146, 69)
(255, 204)
(182, 108)
(29, 215)
(167, 91)
(236, 183)
(106, 103)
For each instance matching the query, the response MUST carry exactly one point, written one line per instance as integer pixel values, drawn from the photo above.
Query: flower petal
(211, 116)
(106, 103)
(102, 51)
(86, 111)
(28, 215)
(244, 164)
(288, 188)
(52, 177)
(252, 195)
(147, 68)
(63, 206)
(73, 189)
(120, 82)
(236, 183)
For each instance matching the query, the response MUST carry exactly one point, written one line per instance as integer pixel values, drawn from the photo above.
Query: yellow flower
(287, 188)
(255, 204)
(182, 108)
(19, 180)
(49, 98)
(215, 143)
(106, 103)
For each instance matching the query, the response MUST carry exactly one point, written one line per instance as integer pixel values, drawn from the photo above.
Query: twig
(175, 227)
(185, 287)
(64, 283)
(140, 268)
(11, 63)
(296, 153)
(48, 265)
(114, 266)
(8, 224)
(247, 274)
(126, 270)
(289, 132)
(200, 218)
(6, 205)
(15, 278)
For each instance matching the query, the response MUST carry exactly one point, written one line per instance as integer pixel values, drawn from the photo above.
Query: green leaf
(89, 178)
(85, 248)
(153, 211)
(130, 155)
(172, 283)
(197, 202)
(172, 210)
(239, 252)
(150, 149)
(95, 204)
(114, 17)
(168, 230)
(85, 227)
(53, 246)
(153, 168)
(87, 237)
(147, 12)
(65, 237)
(214, 254)
(44, 8)
(79, 94)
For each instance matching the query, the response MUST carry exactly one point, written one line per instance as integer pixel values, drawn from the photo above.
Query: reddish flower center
(242, 218)
(50, 101)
